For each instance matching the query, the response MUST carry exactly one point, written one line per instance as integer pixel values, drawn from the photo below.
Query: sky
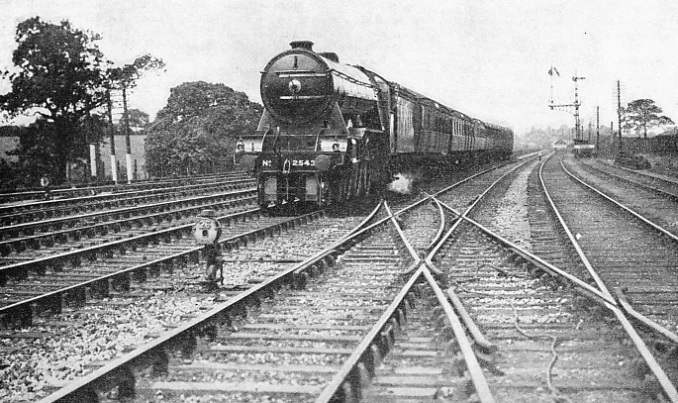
(488, 59)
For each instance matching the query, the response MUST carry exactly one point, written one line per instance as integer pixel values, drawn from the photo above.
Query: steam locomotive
(332, 131)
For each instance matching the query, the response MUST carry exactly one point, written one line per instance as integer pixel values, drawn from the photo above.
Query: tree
(542, 138)
(127, 76)
(643, 114)
(138, 121)
(197, 130)
(36, 145)
(62, 76)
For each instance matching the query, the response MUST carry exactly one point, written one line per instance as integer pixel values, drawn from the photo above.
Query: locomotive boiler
(331, 131)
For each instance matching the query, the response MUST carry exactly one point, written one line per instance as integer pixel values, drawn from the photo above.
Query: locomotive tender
(332, 131)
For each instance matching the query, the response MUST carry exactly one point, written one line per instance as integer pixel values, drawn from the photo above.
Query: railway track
(295, 332)
(420, 366)
(331, 329)
(549, 239)
(60, 208)
(87, 334)
(302, 329)
(617, 255)
(654, 198)
(524, 217)
(520, 319)
(371, 253)
(27, 197)
(32, 249)
(36, 240)
(647, 179)
(545, 347)
(98, 271)
(491, 264)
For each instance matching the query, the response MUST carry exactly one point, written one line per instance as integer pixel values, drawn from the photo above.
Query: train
(331, 131)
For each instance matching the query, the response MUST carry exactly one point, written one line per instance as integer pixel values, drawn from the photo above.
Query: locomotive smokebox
(299, 86)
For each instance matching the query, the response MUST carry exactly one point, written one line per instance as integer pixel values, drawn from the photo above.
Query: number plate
(303, 163)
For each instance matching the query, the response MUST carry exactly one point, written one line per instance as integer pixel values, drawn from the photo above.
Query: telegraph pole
(127, 130)
(597, 129)
(578, 130)
(619, 115)
(111, 132)
(612, 150)
(93, 145)
(88, 160)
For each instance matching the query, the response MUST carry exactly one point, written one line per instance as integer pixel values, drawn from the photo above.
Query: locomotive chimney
(308, 45)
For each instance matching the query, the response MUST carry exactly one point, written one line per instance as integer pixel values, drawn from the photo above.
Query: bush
(633, 161)
(664, 164)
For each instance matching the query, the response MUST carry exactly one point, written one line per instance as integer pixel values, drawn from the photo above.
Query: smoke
(402, 184)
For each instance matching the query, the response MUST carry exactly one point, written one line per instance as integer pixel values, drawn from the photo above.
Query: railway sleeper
(140, 275)
(99, 289)
(74, 261)
(23, 316)
(301, 280)
(159, 362)
(19, 246)
(74, 298)
(120, 282)
(191, 258)
(6, 249)
(19, 274)
(31, 243)
(39, 269)
(155, 270)
(118, 385)
(19, 317)
(167, 267)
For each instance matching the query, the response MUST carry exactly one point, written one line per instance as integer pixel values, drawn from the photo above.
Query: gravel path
(511, 219)
(507, 212)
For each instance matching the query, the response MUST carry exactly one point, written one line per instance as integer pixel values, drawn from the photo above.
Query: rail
(356, 371)
(668, 388)
(621, 206)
